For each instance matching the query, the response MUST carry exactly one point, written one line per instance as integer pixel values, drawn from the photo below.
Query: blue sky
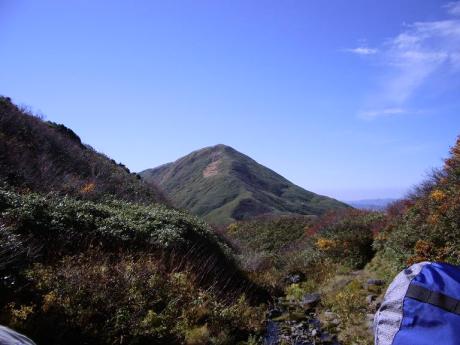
(353, 99)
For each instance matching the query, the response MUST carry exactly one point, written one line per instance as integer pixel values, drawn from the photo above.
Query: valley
(211, 249)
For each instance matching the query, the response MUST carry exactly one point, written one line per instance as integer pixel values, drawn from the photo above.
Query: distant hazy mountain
(371, 204)
(223, 185)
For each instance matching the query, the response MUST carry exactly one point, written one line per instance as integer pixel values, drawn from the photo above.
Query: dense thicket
(78, 271)
(426, 225)
(272, 248)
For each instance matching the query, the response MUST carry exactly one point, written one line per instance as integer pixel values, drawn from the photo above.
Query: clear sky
(350, 98)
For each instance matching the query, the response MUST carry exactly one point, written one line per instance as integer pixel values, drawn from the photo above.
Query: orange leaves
(454, 161)
(325, 244)
(433, 219)
(438, 195)
(88, 188)
(428, 251)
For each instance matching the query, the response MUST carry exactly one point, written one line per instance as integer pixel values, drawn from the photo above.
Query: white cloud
(417, 53)
(453, 8)
(370, 114)
(421, 50)
(362, 51)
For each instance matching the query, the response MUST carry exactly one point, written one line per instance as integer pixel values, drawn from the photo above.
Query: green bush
(270, 247)
(117, 272)
(348, 239)
(125, 298)
(68, 220)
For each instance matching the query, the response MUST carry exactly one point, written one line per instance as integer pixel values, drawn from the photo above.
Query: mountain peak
(217, 148)
(224, 185)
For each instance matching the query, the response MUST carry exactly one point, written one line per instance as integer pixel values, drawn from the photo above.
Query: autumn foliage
(428, 226)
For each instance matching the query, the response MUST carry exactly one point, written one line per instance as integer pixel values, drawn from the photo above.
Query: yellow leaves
(423, 248)
(381, 236)
(428, 251)
(437, 195)
(433, 219)
(49, 300)
(152, 319)
(20, 313)
(88, 188)
(325, 244)
(294, 292)
(232, 228)
(197, 336)
(348, 302)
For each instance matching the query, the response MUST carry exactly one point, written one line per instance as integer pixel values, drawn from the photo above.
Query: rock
(370, 317)
(297, 315)
(272, 336)
(370, 298)
(376, 282)
(275, 312)
(370, 321)
(374, 285)
(329, 315)
(378, 303)
(294, 278)
(335, 322)
(326, 337)
(341, 283)
(310, 300)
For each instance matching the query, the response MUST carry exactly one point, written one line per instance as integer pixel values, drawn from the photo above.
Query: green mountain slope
(223, 185)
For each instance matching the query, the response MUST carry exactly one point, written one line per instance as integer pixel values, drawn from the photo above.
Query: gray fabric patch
(10, 337)
(388, 318)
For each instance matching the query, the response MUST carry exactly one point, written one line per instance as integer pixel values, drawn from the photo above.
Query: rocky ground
(308, 322)
(296, 323)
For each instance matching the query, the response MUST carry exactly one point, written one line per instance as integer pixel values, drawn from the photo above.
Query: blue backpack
(10, 337)
(421, 307)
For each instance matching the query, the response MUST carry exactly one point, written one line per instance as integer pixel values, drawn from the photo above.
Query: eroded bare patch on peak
(212, 169)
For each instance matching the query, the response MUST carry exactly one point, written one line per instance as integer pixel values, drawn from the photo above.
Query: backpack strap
(437, 299)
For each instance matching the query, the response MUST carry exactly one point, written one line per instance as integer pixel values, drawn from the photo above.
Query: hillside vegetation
(426, 225)
(115, 272)
(222, 185)
(44, 156)
(272, 249)
(342, 255)
(91, 254)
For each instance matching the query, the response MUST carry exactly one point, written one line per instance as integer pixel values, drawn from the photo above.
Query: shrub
(118, 272)
(350, 306)
(126, 298)
(348, 239)
(429, 226)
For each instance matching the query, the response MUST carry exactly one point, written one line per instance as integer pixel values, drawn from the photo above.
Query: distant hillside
(223, 185)
(44, 156)
(371, 204)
